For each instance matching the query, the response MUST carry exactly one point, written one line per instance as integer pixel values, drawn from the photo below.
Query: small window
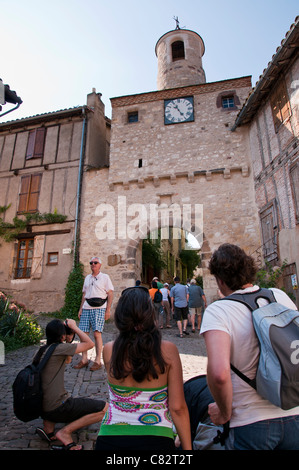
(228, 102)
(24, 258)
(36, 143)
(29, 193)
(178, 50)
(133, 117)
(52, 258)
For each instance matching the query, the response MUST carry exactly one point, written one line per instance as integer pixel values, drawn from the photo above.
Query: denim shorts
(270, 434)
(92, 318)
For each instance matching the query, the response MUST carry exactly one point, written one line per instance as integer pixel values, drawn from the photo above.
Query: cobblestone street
(16, 435)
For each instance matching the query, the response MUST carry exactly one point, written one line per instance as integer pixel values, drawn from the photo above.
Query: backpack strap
(250, 300)
(50, 350)
(251, 382)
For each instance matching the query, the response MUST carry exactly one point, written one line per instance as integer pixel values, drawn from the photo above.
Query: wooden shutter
(29, 193)
(30, 145)
(38, 256)
(280, 105)
(268, 225)
(36, 143)
(294, 176)
(34, 193)
(39, 142)
(24, 193)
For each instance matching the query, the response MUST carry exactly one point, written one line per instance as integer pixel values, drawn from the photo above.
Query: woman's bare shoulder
(169, 349)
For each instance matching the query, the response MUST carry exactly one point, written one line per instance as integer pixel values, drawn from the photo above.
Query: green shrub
(17, 327)
(73, 293)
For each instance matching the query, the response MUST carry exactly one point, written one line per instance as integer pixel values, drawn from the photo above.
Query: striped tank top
(137, 411)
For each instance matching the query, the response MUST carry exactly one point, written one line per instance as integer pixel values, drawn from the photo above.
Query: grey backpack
(277, 329)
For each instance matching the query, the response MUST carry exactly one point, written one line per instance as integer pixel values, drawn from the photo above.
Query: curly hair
(137, 348)
(233, 266)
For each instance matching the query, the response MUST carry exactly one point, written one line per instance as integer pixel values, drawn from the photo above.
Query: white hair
(96, 257)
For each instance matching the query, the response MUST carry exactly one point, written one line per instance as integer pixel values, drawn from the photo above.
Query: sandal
(66, 446)
(43, 435)
(95, 366)
(81, 365)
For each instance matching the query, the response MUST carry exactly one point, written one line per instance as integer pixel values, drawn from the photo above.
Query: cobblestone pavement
(16, 435)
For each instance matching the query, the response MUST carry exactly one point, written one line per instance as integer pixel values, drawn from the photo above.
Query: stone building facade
(270, 116)
(207, 158)
(183, 158)
(42, 162)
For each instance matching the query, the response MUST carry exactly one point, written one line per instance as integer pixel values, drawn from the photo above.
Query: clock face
(178, 110)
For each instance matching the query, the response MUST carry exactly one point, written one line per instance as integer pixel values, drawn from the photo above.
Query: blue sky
(53, 52)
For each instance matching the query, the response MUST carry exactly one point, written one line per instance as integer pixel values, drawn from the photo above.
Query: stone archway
(228, 209)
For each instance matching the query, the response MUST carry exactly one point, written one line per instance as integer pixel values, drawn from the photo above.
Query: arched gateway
(174, 149)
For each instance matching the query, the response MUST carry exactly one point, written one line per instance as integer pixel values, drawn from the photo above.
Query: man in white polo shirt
(95, 309)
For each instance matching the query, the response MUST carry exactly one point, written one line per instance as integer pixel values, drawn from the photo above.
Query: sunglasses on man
(93, 262)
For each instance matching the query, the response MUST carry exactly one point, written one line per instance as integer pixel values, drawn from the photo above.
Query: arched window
(178, 50)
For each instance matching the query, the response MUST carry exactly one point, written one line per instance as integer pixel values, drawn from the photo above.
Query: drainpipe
(76, 242)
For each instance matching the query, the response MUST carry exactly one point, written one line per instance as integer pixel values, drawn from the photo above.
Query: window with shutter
(294, 177)
(29, 193)
(36, 143)
(24, 258)
(280, 104)
(268, 218)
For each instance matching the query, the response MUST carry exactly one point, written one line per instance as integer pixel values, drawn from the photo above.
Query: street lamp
(8, 96)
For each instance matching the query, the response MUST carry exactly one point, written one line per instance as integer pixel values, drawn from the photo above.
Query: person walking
(230, 338)
(197, 303)
(165, 304)
(95, 309)
(146, 394)
(179, 303)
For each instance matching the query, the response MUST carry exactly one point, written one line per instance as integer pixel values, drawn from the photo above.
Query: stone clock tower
(179, 54)
(173, 148)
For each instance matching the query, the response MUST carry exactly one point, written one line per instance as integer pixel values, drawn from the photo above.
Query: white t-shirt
(164, 293)
(235, 319)
(96, 286)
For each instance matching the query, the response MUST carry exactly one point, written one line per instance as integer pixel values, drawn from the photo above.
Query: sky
(54, 52)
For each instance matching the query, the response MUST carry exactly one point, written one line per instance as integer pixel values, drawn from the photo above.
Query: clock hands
(176, 107)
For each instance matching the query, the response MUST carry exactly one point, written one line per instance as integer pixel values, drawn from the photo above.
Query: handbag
(96, 301)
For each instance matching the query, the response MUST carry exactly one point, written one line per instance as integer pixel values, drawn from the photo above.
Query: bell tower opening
(178, 50)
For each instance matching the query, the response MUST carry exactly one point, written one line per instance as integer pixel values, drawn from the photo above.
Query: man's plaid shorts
(92, 317)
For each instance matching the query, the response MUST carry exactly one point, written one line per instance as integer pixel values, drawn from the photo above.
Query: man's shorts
(195, 310)
(73, 409)
(92, 318)
(180, 313)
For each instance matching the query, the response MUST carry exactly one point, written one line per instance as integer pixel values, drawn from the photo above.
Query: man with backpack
(231, 338)
(179, 297)
(58, 405)
(156, 296)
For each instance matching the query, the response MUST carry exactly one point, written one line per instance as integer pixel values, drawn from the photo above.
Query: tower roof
(178, 31)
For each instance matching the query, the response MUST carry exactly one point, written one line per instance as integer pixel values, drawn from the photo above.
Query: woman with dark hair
(145, 382)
